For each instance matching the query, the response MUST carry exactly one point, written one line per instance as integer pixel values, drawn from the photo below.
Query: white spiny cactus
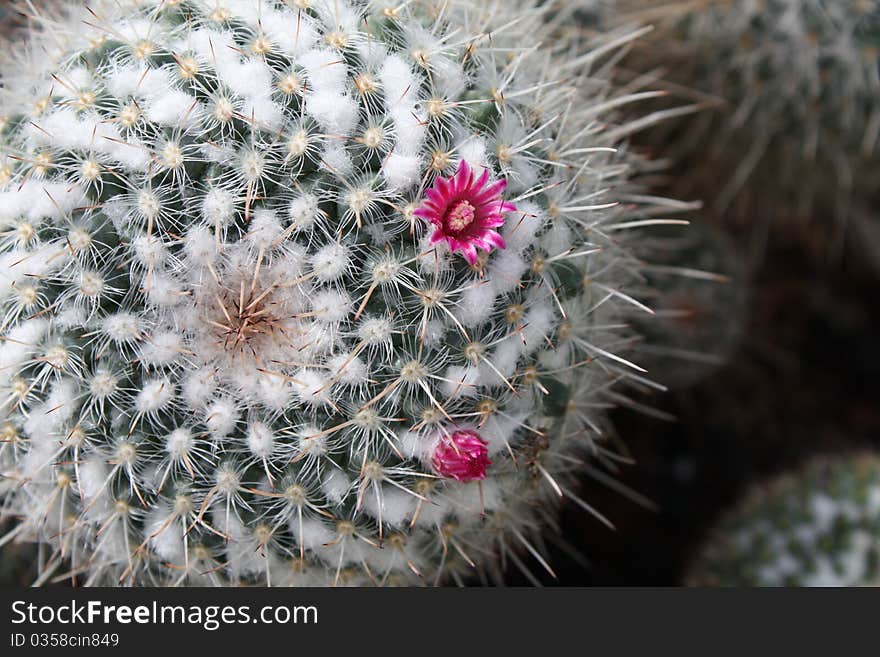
(247, 335)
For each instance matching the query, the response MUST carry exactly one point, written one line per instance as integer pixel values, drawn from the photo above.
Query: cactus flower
(465, 210)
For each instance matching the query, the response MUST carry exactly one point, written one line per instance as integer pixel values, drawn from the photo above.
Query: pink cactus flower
(463, 456)
(465, 211)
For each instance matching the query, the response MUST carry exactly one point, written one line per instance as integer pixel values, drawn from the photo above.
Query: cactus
(791, 136)
(819, 526)
(307, 292)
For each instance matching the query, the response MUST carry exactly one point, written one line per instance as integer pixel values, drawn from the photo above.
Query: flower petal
(481, 183)
(463, 176)
(495, 239)
(492, 192)
(469, 253)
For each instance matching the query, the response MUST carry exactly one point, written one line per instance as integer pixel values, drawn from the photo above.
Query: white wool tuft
(375, 330)
(335, 485)
(506, 355)
(75, 80)
(415, 445)
(221, 418)
(260, 440)
(292, 32)
(20, 343)
(53, 414)
(410, 128)
(315, 533)
(310, 441)
(36, 200)
(275, 392)
(251, 79)
(506, 271)
(162, 349)
(337, 15)
(336, 159)
(538, 325)
(122, 327)
(395, 509)
(435, 332)
(218, 207)
(263, 112)
(149, 250)
(402, 171)
(433, 515)
(154, 396)
(92, 479)
(336, 113)
(523, 226)
(348, 369)
(103, 384)
(179, 443)
(199, 386)
(312, 387)
(475, 497)
(175, 109)
(330, 306)
(477, 303)
(331, 261)
(139, 82)
(326, 70)
(163, 290)
(461, 381)
(19, 266)
(200, 246)
(499, 432)
(473, 150)
(303, 211)
(165, 538)
(399, 85)
(264, 230)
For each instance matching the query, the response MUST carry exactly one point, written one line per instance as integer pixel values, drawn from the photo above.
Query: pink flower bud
(463, 456)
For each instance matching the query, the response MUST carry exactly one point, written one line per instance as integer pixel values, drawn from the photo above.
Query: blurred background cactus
(789, 139)
(817, 526)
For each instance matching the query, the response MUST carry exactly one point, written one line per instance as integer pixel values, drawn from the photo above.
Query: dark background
(802, 381)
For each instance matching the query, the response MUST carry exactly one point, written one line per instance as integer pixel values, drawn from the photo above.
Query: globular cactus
(819, 526)
(307, 292)
(792, 89)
